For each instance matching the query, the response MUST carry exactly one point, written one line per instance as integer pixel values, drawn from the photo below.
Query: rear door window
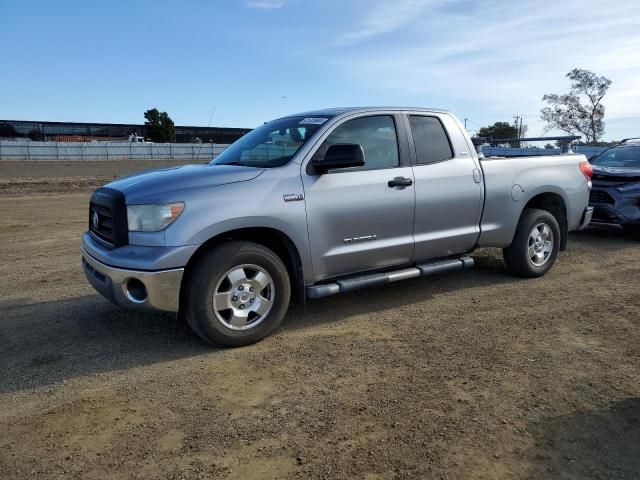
(430, 139)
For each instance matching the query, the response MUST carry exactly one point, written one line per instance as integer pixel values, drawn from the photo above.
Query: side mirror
(345, 155)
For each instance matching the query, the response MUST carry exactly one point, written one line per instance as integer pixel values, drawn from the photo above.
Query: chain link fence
(12, 150)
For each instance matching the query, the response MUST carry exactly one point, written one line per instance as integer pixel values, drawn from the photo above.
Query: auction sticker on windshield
(313, 121)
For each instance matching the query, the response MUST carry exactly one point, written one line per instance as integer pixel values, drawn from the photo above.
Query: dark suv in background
(616, 186)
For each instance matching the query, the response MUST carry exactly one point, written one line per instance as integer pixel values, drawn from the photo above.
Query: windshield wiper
(240, 164)
(272, 163)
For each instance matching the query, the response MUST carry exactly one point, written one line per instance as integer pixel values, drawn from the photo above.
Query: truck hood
(615, 174)
(153, 183)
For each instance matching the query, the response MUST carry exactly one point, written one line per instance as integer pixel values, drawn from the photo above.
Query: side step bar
(373, 279)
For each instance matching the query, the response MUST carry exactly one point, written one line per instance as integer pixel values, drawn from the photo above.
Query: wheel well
(554, 204)
(274, 240)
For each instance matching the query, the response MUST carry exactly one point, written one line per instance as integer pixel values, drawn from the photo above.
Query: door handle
(400, 183)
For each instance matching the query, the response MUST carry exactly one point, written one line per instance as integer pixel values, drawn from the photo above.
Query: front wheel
(237, 294)
(535, 245)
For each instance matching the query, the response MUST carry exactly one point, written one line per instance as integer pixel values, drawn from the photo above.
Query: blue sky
(108, 61)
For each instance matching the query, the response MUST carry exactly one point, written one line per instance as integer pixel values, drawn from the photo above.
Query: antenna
(213, 111)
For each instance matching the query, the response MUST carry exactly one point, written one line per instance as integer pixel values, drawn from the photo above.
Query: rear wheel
(237, 294)
(535, 245)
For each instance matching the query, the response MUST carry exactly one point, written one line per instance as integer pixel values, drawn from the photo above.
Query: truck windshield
(626, 156)
(272, 144)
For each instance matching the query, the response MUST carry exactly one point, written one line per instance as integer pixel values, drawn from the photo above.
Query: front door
(357, 219)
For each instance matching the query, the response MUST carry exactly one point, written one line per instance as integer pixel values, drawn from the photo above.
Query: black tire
(632, 231)
(517, 256)
(210, 273)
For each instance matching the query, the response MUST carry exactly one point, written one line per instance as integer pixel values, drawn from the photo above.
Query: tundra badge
(363, 238)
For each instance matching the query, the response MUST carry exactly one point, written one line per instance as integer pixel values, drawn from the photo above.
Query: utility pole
(517, 122)
(520, 131)
(465, 123)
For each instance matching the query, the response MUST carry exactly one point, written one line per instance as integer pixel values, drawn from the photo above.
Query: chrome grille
(108, 218)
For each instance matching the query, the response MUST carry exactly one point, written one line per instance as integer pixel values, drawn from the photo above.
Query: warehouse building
(87, 132)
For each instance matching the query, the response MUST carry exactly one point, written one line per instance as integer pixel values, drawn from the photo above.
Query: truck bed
(510, 181)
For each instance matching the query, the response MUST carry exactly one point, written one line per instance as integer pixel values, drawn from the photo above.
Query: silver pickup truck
(320, 203)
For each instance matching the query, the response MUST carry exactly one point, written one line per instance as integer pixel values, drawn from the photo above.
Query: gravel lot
(469, 375)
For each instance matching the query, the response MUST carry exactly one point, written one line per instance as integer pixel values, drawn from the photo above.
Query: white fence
(12, 150)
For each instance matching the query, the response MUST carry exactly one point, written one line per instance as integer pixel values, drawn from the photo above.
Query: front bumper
(613, 207)
(134, 289)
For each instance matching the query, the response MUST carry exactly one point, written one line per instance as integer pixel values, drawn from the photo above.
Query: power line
(470, 121)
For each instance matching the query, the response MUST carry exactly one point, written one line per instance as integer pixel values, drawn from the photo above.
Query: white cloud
(387, 16)
(264, 4)
(504, 57)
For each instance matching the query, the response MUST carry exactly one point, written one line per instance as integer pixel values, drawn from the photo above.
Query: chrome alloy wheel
(243, 297)
(540, 244)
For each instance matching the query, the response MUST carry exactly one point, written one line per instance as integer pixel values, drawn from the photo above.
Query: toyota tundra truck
(320, 203)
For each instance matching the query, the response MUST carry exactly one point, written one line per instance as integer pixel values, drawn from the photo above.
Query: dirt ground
(467, 375)
(20, 177)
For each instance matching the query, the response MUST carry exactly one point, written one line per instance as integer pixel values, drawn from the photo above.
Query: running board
(363, 281)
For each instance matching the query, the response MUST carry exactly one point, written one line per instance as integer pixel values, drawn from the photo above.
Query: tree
(159, 126)
(7, 130)
(568, 113)
(499, 130)
(35, 135)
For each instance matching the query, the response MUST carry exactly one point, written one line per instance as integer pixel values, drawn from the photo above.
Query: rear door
(448, 187)
(358, 221)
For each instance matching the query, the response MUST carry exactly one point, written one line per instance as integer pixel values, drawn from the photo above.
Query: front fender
(259, 203)
(298, 239)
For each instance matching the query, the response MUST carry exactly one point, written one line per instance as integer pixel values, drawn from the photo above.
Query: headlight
(151, 218)
(630, 187)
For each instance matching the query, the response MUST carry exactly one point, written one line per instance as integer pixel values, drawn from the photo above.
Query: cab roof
(332, 112)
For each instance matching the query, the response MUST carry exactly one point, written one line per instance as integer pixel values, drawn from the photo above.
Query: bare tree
(566, 112)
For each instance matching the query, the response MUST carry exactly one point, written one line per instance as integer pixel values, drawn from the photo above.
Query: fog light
(136, 291)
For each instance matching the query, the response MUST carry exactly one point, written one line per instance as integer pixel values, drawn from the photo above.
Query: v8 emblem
(293, 197)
